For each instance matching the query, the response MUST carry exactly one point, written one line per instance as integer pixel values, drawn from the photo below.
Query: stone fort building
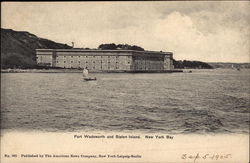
(106, 60)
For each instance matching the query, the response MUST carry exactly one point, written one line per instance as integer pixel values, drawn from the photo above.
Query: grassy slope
(18, 48)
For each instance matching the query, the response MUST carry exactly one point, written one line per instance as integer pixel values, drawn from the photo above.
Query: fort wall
(106, 60)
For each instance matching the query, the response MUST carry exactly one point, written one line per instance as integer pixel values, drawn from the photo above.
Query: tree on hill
(191, 64)
(15, 60)
(113, 46)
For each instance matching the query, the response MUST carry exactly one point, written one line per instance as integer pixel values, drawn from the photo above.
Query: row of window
(92, 56)
(87, 62)
(93, 68)
(149, 68)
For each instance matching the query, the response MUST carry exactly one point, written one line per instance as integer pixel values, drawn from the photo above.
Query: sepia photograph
(125, 81)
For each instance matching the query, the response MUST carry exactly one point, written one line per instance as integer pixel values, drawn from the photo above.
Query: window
(71, 61)
(64, 61)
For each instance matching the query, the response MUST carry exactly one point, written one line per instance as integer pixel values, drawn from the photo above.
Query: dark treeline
(113, 46)
(191, 64)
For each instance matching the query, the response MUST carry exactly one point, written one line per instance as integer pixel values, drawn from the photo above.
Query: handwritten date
(207, 156)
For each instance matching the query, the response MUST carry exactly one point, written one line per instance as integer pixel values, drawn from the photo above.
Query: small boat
(89, 79)
(85, 73)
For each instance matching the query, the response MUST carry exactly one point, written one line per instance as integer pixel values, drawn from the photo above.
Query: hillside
(18, 48)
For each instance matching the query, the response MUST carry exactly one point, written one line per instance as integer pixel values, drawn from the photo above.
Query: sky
(207, 31)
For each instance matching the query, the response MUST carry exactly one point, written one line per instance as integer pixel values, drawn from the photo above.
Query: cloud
(183, 35)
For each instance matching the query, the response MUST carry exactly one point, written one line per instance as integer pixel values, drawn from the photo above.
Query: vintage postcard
(137, 81)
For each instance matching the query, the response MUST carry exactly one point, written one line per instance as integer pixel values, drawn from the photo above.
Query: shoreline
(80, 71)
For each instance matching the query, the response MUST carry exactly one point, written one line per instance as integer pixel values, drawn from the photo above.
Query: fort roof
(97, 50)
